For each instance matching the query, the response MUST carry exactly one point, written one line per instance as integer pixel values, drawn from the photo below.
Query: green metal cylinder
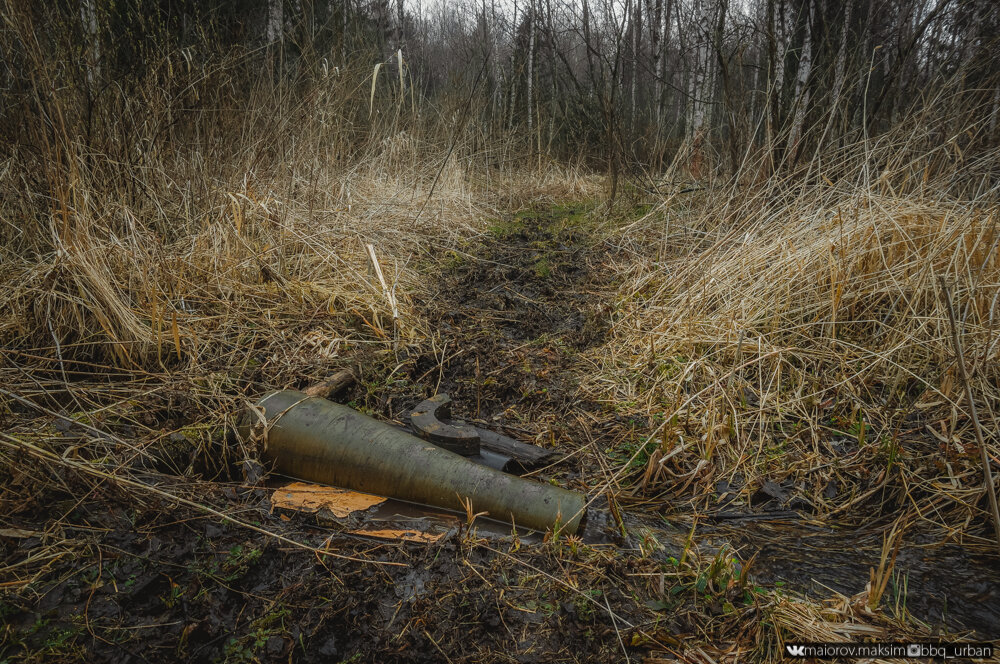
(320, 441)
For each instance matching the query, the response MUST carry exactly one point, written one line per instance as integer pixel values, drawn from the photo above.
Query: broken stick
(331, 385)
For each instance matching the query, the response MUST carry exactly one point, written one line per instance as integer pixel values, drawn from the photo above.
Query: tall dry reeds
(147, 221)
(791, 330)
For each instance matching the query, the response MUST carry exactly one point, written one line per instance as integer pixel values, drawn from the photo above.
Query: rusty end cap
(426, 422)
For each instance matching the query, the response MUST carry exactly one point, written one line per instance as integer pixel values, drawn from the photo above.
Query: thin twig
(617, 631)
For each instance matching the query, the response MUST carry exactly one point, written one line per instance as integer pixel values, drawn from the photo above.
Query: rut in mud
(173, 586)
(512, 314)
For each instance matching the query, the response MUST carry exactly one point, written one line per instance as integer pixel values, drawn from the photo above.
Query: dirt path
(511, 314)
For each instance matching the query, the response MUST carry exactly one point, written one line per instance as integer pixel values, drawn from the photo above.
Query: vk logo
(796, 651)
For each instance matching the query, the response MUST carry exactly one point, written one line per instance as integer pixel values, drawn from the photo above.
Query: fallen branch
(331, 385)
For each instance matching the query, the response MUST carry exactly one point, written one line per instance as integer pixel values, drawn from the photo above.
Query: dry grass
(794, 332)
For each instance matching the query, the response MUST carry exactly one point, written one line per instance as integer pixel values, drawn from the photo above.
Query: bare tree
(636, 44)
(702, 82)
(839, 68)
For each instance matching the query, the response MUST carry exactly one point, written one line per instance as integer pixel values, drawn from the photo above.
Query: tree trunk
(275, 20)
(343, 32)
(531, 67)
(727, 84)
(588, 45)
(553, 106)
(801, 98)
(655, 19)
(636, 43)
(497, 98)
(903, 55)
(400, 24)
(701, 84)
(88, 16)
(773, 86)
(512, 79)
(839, 68)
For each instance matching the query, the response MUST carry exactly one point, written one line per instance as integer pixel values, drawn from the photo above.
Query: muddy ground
(512, 311)
(154, 580)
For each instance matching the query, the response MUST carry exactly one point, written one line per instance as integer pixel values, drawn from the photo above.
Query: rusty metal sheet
(304, 497)
(410, 535)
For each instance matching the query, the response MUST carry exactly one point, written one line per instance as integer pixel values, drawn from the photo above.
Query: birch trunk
(343, 33)
(779, 63)
(701, 84)
(400, 23)
(701, 75)
(801, 99)
(531, 64)
(771, 103)
(553, 106)
(275, 20)
(636, 48)
(512, 79)
(88, 16)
